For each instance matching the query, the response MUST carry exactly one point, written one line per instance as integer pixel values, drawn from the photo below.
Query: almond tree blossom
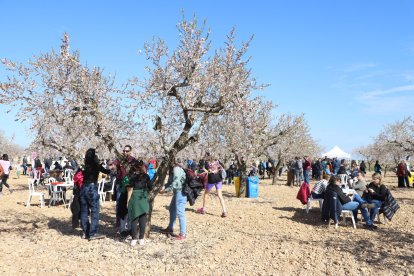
(9, 147)
(70, 107)
(185, 87)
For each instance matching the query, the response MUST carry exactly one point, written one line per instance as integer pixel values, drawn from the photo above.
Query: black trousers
(4, 182)
(401, 181)
(142, 221)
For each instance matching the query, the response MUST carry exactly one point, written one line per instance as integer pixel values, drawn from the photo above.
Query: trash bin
(252, 189)
(236, 181)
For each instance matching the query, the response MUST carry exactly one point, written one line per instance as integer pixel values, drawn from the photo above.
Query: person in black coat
(89, 196)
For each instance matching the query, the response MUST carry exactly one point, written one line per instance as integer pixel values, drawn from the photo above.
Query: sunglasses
(126, 150)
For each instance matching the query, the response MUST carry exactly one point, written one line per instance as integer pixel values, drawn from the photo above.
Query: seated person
(360, 185)
(347, 204)
(318, 190)
(375, 193)
(57, 166)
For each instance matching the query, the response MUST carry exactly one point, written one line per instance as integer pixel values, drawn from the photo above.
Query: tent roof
(337, 152)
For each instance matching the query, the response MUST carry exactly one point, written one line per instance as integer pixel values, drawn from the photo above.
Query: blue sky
(348, 65)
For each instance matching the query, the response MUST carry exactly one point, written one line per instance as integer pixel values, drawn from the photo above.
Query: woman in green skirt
(138, 187)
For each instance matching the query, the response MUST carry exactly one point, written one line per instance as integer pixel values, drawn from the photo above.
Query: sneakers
(96, 237)
(180, 237)
(167, 231)
(84, 237)
(140, 242)
(201, 211)
(224, 214)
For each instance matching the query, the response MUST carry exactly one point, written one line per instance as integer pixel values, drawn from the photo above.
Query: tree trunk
(159, 183)
(277, 167)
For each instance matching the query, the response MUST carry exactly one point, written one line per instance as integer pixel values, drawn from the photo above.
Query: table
(55, 195)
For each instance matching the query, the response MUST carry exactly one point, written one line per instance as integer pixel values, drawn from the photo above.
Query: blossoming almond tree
(185, 87)
(70, 107)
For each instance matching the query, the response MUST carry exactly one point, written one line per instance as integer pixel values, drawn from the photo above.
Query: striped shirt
(320, 187)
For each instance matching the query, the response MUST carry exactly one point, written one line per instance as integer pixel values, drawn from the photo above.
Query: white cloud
(360, 67)
(379, 93)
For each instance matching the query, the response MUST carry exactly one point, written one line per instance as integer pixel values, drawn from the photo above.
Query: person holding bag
(215, 179)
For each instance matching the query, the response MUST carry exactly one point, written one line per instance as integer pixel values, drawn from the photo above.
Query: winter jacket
(390, 206)
(380, 192)
(303, 193)
(331, 207)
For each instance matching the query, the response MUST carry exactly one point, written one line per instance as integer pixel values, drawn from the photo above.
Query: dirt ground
(271, 235)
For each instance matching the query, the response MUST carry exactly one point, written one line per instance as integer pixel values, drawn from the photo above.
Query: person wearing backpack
(215, 177)
(175, 183)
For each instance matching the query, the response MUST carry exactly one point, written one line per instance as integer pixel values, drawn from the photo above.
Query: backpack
(192, 186)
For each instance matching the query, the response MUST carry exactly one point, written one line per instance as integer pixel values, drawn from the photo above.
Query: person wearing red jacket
(401, 172)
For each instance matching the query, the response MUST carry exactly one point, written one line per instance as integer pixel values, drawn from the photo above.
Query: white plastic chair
(32, 193)
(55, 195)
(37, 174)
(351, 214)
(69, 173)
(111, 192)
(310, 199)
(101, 193)
(344, 179)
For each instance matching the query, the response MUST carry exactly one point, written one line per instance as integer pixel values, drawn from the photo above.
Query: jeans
(306, 175)
(374, 211)
(318, 196)
(355, 205)
(177, 208)
(298, 176)
(89, 199)
(365, 215)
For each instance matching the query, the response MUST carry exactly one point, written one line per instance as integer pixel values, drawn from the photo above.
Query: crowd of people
(134, 180)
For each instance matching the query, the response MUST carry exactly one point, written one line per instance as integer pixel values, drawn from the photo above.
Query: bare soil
(270, 235)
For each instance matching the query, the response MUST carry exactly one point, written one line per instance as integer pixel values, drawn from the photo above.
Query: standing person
(407, 174)
(178, 201)
(307, 168)
(377, 167)
(298, 171)
(89, 196)
(215, 168)
(138, 205)
(401, 172)
(336, 165)
(122, 169)
(24, 165)
(5, 164)
(363, 167)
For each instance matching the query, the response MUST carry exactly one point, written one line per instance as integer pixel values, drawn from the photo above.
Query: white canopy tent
(338, 153)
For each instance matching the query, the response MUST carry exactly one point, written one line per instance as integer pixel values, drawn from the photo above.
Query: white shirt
(5, 165)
